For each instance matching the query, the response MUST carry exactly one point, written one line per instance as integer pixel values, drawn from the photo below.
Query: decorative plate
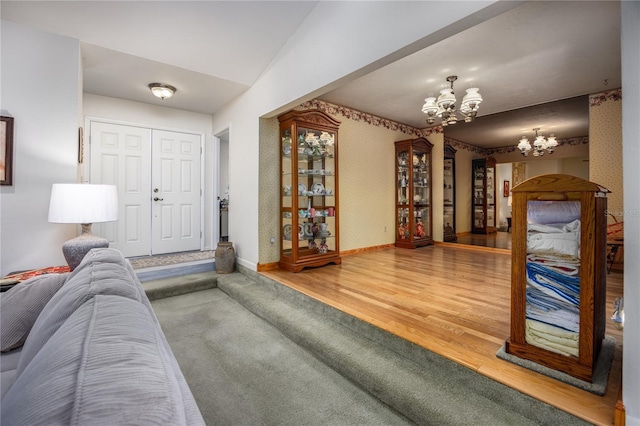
(302, 189)
(317, 188)
(287, 231)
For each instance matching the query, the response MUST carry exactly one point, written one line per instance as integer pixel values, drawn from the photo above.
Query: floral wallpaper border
(356, 115)
(373, 120)
(598, 99)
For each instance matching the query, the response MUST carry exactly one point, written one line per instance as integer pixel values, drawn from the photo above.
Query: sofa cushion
(105, 365)
(20, 307)
(102, 271)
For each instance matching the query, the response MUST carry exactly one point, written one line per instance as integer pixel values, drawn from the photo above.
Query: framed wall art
(6, 151)
(505, 189)
(80, 145)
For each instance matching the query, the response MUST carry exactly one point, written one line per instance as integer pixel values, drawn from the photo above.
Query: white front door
(176, 192)
(139, 160)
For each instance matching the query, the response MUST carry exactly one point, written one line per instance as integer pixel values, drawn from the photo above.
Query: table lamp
(85, 204)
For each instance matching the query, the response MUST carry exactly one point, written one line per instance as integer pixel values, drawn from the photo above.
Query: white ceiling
(212, 51)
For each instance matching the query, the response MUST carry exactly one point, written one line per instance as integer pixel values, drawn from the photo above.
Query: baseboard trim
(366, 249)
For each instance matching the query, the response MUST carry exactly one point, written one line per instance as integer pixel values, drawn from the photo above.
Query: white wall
(630, 11)
(40, 90)
(503, 172)
(158, 117)
(354, 25)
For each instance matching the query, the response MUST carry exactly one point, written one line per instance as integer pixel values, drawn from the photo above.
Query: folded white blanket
(557, 239)
(552, 211)
(551, 338)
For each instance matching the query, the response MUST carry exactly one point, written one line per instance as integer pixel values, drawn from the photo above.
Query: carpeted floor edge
(428, 390)
(600, 372)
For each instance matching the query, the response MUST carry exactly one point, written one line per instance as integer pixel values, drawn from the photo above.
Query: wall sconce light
(162, 91)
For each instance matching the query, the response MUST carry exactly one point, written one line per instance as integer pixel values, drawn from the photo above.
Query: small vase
(225, 257)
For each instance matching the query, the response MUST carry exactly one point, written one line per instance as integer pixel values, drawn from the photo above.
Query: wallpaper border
(355, 115)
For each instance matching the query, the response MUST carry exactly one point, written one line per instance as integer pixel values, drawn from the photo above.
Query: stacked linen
(558, 240)
(551, 338)
(553, 281)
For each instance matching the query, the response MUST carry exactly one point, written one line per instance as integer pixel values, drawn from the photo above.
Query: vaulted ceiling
(534, 64)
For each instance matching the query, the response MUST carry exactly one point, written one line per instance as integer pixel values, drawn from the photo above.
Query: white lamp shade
(83, 203)
(446, 98)
(430, 106)
(471, 100)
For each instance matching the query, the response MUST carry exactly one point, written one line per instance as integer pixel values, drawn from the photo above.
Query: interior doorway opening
(223, 185)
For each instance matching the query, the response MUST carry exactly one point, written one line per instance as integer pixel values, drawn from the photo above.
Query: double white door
(157, 173)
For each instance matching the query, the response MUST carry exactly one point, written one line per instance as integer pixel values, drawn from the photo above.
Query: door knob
(157, 199)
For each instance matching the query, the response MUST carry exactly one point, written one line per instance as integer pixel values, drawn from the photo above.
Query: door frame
(84, 148)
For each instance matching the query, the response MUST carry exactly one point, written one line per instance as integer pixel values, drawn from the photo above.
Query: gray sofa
(86, 348)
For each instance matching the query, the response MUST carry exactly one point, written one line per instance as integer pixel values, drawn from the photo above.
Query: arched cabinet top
(558, 183)
(310, 117)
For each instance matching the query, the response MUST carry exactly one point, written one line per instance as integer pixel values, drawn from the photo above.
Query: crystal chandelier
(445, 106)
(540, 145)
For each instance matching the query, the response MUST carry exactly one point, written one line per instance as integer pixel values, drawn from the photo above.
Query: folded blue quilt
(553, 283)
(551, 310)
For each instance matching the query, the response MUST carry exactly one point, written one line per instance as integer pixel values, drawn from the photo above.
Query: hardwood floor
(500, 240)
(454, 300)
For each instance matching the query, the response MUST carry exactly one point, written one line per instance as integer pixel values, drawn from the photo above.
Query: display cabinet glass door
(413, 197)
(402, 205)
(421, 192)
(484, 196)
(449, 195)
(491, 200)
(309, 190)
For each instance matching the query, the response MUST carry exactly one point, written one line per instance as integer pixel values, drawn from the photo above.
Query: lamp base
(75, 249)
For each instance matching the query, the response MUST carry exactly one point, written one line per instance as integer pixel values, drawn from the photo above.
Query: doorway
(158, 176)
(223, 185)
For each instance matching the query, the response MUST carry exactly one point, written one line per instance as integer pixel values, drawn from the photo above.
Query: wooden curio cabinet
(483, 202)
(413, 193)
(449, 195)
(558, 273)
(309, 190)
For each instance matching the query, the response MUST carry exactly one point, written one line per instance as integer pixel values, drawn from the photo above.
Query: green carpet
(242, 371)
(262, 353)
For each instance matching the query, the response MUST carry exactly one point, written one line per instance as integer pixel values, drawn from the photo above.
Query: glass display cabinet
(558, 273)
(413, 194)
(309, 190)
(449, 195)
(483, 220)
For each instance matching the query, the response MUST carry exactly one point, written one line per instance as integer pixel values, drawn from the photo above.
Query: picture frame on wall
(80, 145)
(6, 151)
(505, 189)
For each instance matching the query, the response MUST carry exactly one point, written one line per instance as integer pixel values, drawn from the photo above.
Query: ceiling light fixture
(162, 91)
(540, 145)
(445, 106)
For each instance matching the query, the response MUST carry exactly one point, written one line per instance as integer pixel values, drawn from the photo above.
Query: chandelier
(445, 106)
(540, 145)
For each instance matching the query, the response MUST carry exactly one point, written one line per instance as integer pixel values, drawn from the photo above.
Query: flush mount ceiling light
(445, 106)
(161, 90)
(540, 145)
